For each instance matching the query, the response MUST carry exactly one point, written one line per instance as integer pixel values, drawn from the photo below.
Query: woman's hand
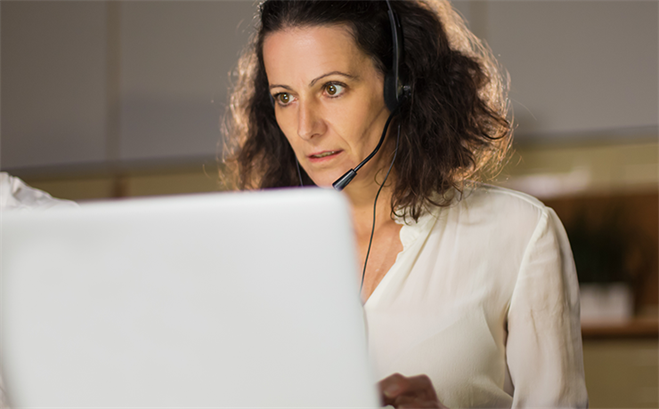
(403, 392)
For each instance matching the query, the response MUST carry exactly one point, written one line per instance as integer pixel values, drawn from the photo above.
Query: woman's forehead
(312, 50)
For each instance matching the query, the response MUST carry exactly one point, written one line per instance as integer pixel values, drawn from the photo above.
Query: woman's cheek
(285, 125)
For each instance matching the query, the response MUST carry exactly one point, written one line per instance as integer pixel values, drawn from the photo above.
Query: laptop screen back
(222, 300)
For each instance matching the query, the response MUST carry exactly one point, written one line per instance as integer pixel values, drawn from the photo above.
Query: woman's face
(328, 99)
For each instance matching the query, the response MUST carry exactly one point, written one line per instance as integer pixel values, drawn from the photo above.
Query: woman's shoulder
(482, 194)
(482, 204)
(484, 210)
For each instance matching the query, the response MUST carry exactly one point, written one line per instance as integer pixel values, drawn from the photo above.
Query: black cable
(377, 148)
(370, 241)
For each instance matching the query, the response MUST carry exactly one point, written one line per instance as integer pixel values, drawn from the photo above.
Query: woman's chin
(323, 183)
(324, 180)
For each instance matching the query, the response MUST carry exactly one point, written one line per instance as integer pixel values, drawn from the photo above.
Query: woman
(469, 285)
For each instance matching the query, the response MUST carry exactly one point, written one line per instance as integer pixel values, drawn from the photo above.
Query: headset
(395, 93)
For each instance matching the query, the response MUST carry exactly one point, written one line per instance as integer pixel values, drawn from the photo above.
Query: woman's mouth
(323, 155)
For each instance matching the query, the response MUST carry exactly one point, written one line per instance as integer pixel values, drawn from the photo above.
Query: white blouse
(16, 195)
(484, 300)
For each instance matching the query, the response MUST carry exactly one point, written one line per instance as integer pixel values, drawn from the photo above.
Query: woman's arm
(543, 349)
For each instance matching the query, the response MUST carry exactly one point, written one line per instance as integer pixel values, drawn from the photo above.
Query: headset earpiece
(390, 94)
(394, 91)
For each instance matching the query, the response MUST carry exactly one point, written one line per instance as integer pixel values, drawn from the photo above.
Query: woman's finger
(392, 386)
(397, 389)
(421, 385)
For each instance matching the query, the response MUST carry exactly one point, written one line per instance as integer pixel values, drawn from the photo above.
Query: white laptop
(216, 300)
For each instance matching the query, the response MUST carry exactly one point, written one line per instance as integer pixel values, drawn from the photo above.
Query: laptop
(212, 300)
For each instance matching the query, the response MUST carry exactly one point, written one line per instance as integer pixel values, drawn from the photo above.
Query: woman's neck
(361, 196)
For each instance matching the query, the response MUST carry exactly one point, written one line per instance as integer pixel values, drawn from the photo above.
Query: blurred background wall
(114, 99)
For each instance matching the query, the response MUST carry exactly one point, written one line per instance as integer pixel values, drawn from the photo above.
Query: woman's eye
(283, 98)
(334, 90)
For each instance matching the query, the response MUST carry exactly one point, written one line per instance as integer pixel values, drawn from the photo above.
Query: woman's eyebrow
(352, 77)
(281, 86)
(315, 80)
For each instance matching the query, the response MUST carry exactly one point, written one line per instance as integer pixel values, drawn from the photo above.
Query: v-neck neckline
(409, 235)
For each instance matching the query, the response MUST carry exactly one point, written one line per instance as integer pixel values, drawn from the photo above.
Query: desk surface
(638, 327)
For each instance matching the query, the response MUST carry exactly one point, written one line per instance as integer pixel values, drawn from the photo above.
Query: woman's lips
(323, 156)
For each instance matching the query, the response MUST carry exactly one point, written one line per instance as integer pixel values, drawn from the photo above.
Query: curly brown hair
(454, 127)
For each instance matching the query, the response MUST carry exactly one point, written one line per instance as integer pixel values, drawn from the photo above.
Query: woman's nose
(310, 121)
